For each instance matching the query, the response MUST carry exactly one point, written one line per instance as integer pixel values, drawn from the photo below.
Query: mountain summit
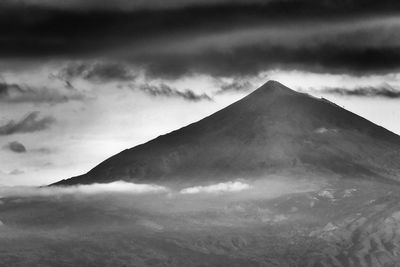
(273, 129)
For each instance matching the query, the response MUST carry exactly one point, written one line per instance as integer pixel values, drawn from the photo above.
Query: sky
(82, 80)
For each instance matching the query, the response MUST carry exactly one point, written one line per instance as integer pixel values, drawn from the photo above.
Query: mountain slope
(271, 130)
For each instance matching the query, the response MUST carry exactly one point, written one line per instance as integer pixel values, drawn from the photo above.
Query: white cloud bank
(118, 187)
(217, 188)
(270, 187)
(114, 187)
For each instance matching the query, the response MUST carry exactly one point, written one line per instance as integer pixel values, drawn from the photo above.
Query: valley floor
(346, 222)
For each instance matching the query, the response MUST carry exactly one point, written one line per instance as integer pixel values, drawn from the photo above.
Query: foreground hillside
(279, 222)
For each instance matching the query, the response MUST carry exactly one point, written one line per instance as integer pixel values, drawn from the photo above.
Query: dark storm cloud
(253, 59)
(385, 91)
(30, 123)
(16, 147)
(167, 91)
(98, 72)
(7, 89)
(124, 4)
(16, 93)
(174, 38)
(277, 5)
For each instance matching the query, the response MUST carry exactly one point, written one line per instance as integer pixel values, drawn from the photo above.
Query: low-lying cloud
(30, 123)
(217, 188)
(120, 187)
(129, 200)
(270, 187)
(114, 187)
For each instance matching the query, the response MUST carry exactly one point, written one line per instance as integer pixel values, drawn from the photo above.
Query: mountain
(319, 186)
(272, 130)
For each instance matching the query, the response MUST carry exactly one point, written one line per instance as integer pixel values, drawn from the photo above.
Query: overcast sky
(82, 80)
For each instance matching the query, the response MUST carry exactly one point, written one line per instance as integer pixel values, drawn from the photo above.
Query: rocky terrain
(335, 223)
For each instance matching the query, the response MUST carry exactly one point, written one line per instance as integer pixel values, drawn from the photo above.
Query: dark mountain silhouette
(271, 130)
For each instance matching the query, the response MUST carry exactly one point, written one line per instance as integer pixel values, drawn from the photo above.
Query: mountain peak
(271, 130)
(273, 83)
(275, 87)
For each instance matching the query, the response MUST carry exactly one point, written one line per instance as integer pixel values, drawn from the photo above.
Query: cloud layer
(217, 188)
(120, 187)
(216, 37)
(115, 187)
(277, 6)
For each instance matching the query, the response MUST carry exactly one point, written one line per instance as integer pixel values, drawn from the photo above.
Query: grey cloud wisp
(96, 72)
(167, 91)
(22, 93)
(30, 123)
(385, 91)
(16, 147)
